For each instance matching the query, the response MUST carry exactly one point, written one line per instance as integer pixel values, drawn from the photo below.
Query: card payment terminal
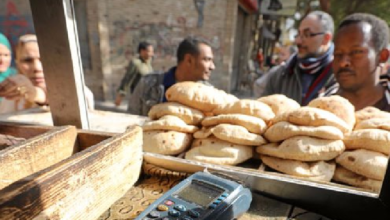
(201, 196)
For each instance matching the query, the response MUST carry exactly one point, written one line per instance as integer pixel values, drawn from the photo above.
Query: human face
(5, 58)
(147, 53)
(204, 63)
(29, 63)
(310, 38)
(355, 59)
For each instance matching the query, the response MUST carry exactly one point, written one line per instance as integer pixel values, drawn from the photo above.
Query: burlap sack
(166, 142)
(364, 162)
(169, 122)
(280, 103)
(370, 112)
(246, 107)
(343, 175)
(189, 115)
(338, 105)
(309, 116)
(285, 130)
(198, 96)
(320, 171)
(237, 134)
(303, 148)
(253, 124)
(370, 139)
(215, 151)
(374, 123)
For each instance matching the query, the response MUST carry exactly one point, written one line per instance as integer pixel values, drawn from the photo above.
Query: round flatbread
(284, 130)
(364, 162)
(252, 124)
(303, 148)
(320, 171)
(205, 132)
(198, 96)
(343, 175)
(338, 105)
(374, 123)
(166, 142)
(246, 107)
(370, 139)
(309, 116)
(189, 115)
(280, 103)
(370, 112)
(216, 151)
(169, 122)
(237, 134)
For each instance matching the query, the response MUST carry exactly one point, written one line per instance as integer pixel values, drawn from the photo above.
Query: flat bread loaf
(320, 171)
(338, 105)
(252, 124)
(169, 122)
(309, 116)
(166, 142)
(189, 115)
(377, 123)
(246, 107)
(343, 175)
(364, 162)
(285, 130)
(370, 112)
(280, 103)
(370, 139)
(198, 96)
(216, 151)
(237, 134)
(303, 148)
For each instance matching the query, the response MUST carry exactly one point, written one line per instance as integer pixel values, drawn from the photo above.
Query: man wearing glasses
(307, 74)
(360, 49)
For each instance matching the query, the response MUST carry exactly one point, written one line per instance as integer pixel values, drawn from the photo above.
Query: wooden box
(332, 200)
(81, 175)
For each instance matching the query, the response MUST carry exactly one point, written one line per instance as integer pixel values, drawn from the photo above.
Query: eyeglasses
(307, 35)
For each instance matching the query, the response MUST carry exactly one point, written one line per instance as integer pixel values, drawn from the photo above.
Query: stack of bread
(364, 162)
(174, 122)
(229, 136)
(305, 141)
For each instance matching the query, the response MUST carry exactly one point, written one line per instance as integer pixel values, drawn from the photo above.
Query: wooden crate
(86, 182)
(329, 199)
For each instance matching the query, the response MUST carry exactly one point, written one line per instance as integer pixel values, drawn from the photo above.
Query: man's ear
(327, 38)
(188, 58)
(384, 55)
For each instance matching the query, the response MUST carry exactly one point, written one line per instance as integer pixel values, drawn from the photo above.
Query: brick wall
(115, 27)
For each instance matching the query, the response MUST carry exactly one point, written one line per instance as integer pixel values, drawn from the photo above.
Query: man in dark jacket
(307, 74)
(195, 62)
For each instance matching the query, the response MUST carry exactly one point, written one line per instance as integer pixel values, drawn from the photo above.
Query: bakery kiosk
(85, 182)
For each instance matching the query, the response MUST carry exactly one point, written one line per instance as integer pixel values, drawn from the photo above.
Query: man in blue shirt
(195, 62)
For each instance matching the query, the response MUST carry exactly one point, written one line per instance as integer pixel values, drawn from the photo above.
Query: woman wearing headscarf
(5, 59)
(27, 89)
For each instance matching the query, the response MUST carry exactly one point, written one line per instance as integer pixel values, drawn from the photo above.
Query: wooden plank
(56, 31)
(24, 131)
(88, 138)
(80, 187)
(35, 154)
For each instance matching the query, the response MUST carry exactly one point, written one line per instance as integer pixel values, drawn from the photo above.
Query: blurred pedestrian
(5, 59)
(195, 62)
(139, 66)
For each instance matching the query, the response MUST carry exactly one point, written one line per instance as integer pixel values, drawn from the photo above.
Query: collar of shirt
(169, 80)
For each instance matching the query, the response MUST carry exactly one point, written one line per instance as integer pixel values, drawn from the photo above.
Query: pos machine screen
(200, 194)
